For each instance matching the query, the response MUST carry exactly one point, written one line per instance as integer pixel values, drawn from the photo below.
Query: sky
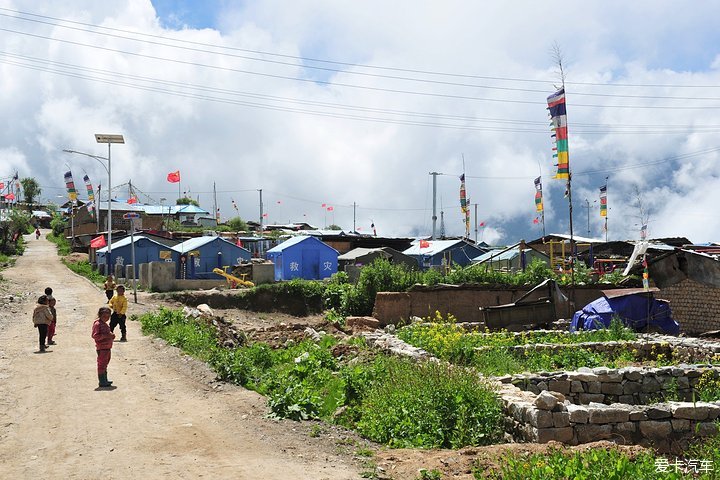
(338, 112)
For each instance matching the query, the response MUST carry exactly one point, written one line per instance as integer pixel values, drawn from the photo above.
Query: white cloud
(196, 111)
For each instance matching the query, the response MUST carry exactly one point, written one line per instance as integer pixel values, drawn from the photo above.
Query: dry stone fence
(625, 405)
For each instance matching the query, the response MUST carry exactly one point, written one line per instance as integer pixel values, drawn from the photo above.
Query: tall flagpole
(606, 227)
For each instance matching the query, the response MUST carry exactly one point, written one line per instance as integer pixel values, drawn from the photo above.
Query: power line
(317, 60)
(348, 85)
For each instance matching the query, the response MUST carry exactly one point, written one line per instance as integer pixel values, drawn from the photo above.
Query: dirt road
(166, 418)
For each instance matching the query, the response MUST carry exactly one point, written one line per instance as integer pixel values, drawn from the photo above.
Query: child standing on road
(119, 304)
(42, 317)
(51, 327)
(109, 287)
(103, 344)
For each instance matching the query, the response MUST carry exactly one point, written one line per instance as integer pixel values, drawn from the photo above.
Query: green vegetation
(12, 230)
(708, 387)
(237, 224)
(186, 201)
(85, 269)
(63, 246)
(58, 225)
(610, 464)
(31, 189)
(371, 393)
(347, 299)
(488, 353)
(430, 405)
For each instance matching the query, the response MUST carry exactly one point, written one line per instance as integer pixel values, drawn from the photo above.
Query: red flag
(2, 185)
(98, 242)
(324, 205)
(132, 200)
(174, 177)
(482, 224)
(329, 209)
(239, 243)
(10, 196)
(424, 244)
(265, 215)
(536, 220)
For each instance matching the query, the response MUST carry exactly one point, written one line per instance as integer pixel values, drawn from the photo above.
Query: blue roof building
(197, 257)
(303, 257)
(435, 253)
(146, 251)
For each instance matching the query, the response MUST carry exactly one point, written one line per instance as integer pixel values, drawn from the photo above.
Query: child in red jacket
(103, 344)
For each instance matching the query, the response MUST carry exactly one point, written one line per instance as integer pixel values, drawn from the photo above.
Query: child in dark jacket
(103, 344)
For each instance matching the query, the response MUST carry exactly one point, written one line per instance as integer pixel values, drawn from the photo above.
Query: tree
(334, 227)
(186, 201)
(237, 224)
(31, 189)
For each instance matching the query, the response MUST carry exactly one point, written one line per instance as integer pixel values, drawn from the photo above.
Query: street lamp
(109, 139)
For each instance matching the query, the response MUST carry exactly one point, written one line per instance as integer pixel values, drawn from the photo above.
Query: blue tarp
(634, 310)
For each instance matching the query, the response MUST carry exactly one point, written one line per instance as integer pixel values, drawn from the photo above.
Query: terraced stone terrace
(660, 391)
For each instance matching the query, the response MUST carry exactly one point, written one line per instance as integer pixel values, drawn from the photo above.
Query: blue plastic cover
(634, 310)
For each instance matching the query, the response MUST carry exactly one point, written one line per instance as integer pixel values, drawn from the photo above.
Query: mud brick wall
(696, 307)
(463, 302)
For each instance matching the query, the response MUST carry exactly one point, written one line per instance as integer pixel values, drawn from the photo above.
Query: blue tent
(197, 257)
(635, 309)
(303, 257)
(146, 251)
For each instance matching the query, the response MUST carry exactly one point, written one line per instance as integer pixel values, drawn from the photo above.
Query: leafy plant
(429, 405)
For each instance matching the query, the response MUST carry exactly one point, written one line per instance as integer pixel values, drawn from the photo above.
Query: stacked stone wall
(552, 415)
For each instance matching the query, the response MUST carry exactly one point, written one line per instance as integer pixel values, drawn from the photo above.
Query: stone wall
(696, 307)
(623, 405)
(667, 426)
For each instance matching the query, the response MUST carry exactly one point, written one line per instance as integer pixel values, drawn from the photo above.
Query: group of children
(45, 319)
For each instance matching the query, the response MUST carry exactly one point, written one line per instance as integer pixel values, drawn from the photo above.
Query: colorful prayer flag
(70, 185)
(536, 220)
(174, 177)
(558, 120)
(234, 205)
(538, 195)
(464, 205)
(603, 201)
(372, 225)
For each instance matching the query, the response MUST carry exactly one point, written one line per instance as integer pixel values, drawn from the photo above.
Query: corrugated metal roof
(195, 243)
(288, 243)
(436, 246)
(360, 252)
(126, 241)
(506, 255)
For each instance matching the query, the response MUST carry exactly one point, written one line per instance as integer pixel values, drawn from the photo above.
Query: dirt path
(165, 419)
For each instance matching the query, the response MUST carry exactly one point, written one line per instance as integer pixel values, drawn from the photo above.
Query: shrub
(429, 405)
(85, 269)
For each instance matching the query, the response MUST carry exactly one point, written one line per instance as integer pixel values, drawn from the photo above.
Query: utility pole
(260, 246)
(354, 206)
(215, 208)
(434, 215)
(587, 207)
(476, 223)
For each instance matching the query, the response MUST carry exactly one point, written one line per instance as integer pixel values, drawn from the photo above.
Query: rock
(655, 430)
(362, 322)
(578, 414)
(546, 401)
